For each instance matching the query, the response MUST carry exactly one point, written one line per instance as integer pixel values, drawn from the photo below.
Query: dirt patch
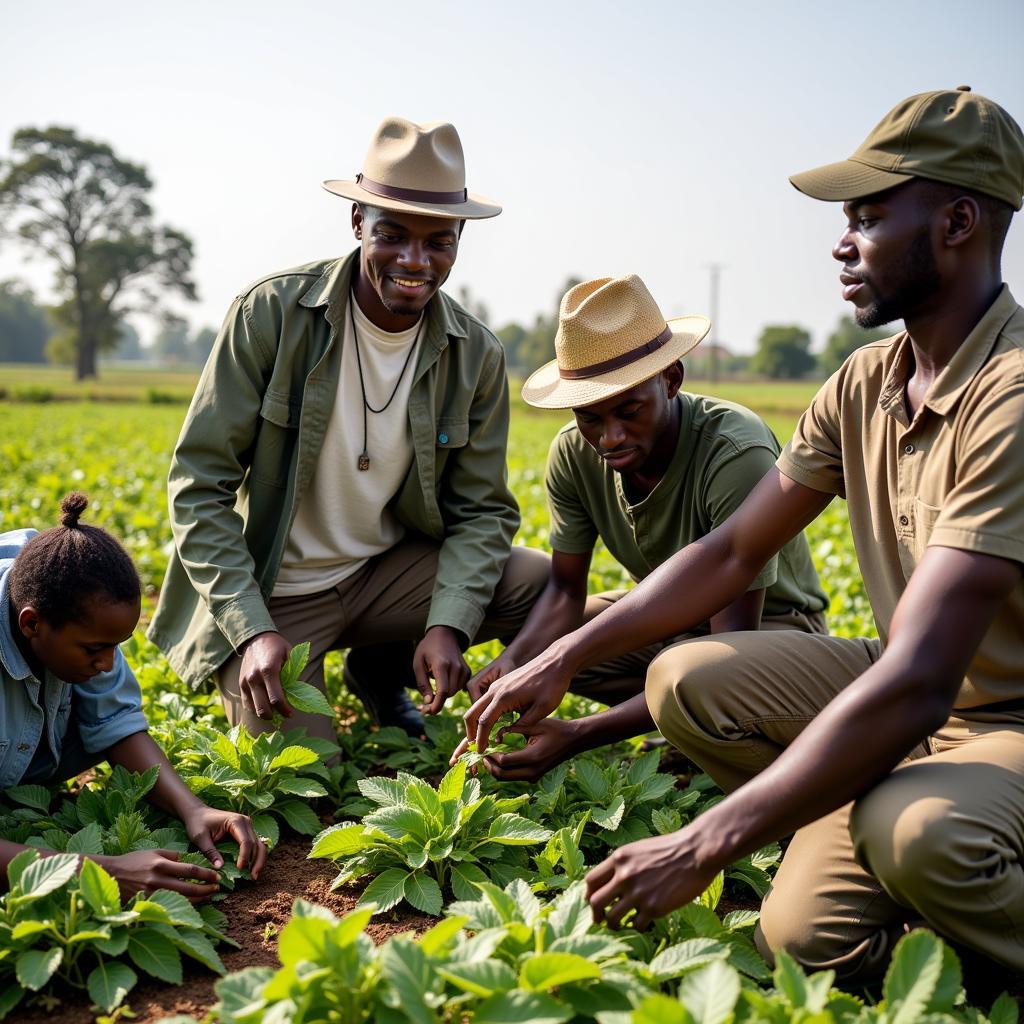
(250, 911)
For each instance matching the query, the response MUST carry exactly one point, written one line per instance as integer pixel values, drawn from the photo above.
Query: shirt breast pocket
(452, 433)
(276, 438)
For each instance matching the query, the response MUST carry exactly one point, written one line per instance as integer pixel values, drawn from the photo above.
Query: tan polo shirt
(952, 477)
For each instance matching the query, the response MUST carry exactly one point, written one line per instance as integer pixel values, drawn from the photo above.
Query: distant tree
(783, 353)
(77, 203)
(24, 326)
(844, 341)
(129, 344)
(473, 305)
(172, 343)
(201, 345)
(526, 348)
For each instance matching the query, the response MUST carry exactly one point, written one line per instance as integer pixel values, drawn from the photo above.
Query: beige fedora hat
(416, 168)
(611, 337)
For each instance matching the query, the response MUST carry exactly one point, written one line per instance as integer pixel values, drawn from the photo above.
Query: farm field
(488, 925)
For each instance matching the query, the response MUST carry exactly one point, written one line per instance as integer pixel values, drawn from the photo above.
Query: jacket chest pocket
(276, 438)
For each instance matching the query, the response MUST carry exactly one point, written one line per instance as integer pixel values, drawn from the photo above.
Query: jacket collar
(10, 656)
(968, 360)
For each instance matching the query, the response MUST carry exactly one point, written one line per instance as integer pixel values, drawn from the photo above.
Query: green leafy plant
(419, 840)
(59, 924)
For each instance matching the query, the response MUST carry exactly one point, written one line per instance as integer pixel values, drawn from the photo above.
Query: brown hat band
(619, 361)
(412, 195)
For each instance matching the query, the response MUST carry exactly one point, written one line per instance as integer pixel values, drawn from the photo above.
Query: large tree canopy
(845, 340)
(783, 353)
(77, 203)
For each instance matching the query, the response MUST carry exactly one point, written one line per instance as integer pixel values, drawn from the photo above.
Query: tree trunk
(86, 362)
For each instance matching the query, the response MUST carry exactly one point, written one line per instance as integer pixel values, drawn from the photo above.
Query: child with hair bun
(68, 700)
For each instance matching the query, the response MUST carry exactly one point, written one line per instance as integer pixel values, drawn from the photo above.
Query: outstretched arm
(689, 588)
(854, 742)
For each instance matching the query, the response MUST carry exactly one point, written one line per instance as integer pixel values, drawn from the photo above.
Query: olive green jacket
(250, 444)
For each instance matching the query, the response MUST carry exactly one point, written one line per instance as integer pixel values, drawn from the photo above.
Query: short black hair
(996, 213)
(60, 569)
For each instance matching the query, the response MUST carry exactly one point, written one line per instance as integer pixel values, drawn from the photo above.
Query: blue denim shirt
(106, 708)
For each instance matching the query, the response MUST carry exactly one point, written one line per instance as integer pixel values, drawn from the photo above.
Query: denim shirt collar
(12, 659)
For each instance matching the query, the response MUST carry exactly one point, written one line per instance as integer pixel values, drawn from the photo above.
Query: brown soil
(250, 909)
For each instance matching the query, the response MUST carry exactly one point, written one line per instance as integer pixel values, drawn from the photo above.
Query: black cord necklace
(364, 458)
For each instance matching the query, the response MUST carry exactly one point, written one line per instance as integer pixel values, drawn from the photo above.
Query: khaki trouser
(384, 605)
(618, 679)
(941, 838)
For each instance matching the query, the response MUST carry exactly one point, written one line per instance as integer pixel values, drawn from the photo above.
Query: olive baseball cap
(955, 136)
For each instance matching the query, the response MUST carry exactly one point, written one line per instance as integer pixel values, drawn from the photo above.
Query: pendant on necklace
(364, 461)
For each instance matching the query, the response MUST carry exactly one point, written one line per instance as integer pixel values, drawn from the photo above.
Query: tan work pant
(618, 679)
(385, 605)
(941, 838)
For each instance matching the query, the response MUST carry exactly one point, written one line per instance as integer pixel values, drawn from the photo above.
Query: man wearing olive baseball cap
(340, 477)
(897, 762)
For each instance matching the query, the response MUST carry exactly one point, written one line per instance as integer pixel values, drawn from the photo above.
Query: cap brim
(545, 389)
(847, 179)
(475, 208)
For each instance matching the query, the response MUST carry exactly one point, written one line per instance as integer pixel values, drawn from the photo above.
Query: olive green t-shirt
(723, 451)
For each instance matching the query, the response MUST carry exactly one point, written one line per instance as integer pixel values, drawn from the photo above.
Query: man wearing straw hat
(648, 469)
(340, 476)
(899, 762)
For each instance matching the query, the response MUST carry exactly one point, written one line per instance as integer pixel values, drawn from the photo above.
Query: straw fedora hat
(611, 337)
(416, 168)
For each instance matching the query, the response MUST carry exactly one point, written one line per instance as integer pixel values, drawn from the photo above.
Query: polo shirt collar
(334, 286)
(969, 358)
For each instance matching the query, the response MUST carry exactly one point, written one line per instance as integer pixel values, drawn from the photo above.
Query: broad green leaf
(109, 983)
(437, 941)
(156, 955)
(790, 980)
(308, 789)
(87, 840)
(385, 890)
(481, 977)
(382, 791)
(1004, 1010)
(266, 827)
(340, 841)
(179, 909)
(741, 919)
(746, 959)
(610, 817)
(193, 943)
(30, 795)
(591, 780)
(514, 830)
(451, 786)
(423, 893)
(241, 991)
(303, 938)
(517, 1007)
(713, 893)
(46, 875)
(660, 1009)
(400, 821)
(710, 993)
(35, 967)
(99, 889)
(464, 879)
(546, 971)
(655, 789)
(309, 699)
(296, 661)
(18, 865)
(405, 967)
(300, 817)
(293, 757)
(686, 956)
(26, 929)
(9, 999)
(913, 976)
(666, 820)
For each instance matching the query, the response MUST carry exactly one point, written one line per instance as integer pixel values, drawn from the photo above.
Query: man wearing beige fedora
(646, 468)
(340, 476)
(898, 762)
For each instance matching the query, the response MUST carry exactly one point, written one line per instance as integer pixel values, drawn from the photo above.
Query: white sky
(652, 137)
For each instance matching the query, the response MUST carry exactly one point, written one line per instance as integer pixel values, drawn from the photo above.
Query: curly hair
(60, 569)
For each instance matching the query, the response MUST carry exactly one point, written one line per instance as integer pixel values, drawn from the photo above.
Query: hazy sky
(630, 136)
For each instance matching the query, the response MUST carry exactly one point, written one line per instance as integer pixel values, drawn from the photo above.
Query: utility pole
(715, 269)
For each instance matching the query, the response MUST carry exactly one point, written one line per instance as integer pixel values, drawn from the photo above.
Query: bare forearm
(556, 613)
(626, 720)
(139, 752)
